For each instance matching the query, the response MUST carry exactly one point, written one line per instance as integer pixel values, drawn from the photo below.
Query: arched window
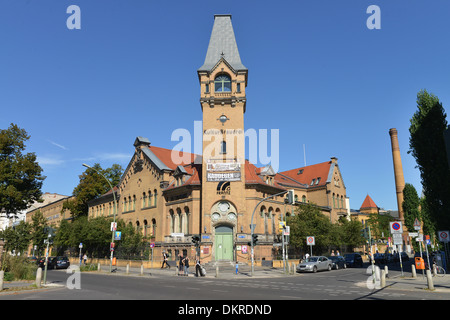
(222, 83)
(172, 221)
(153, 227)
(144, 200)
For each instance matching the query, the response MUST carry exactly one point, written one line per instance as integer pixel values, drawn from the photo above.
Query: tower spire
(222, 45)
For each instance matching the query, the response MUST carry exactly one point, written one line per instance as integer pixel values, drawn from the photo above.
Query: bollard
(413, 271)
(2, 274)
(38, 277)
(293, 268)
(142, 269)
(387, 271)
(128, 269)
(383, 279)
(430, 280)
(99, 267)
(217, 271)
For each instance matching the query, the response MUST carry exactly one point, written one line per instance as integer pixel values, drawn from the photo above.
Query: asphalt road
(348, 284)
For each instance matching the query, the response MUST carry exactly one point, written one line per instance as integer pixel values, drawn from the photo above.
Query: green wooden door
(224, 243)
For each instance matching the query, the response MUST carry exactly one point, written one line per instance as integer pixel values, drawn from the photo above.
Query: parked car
(62, 262)
(338, 262)
(379, 258)
(315, 263)
(353, 259)
(50, 263)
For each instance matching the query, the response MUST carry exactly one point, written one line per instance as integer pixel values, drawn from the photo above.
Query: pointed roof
(368, 203)
(222, 44)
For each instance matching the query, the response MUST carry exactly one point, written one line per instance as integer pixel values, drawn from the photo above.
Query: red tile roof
(305, 175)
(368, 203)
(292, 178)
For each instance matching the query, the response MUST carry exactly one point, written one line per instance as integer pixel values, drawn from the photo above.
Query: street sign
(397, 239)
(443, 236)
(413, 234)
(310, 241)
(287, 231)
(152, 245)
(113, 226)
(80, 246)
(117, 235)
(396, 227)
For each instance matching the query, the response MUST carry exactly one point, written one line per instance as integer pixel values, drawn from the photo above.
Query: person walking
(85, 258)
(165, 260)
(186, 266)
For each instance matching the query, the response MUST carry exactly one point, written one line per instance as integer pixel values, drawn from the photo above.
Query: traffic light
(290, 197)
(255, 239)
(195, 239)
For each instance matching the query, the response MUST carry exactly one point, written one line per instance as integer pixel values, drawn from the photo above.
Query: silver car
(314, 264)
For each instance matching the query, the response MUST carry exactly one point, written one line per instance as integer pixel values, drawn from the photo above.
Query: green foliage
(428, 148)
(17, 238)
(379, 225)
(20, 174)
(38, 234)
(410, 206)
(91, 186)
(310, 221)
(19, 268)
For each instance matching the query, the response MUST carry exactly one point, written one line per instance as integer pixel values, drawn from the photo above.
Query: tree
(428, 148)
(17, 238)
(91, 186)
(309, 221)
(410, 206)
(20, 174)
(38, 235)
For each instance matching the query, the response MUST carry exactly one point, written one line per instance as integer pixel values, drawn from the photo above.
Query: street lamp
(114, 210)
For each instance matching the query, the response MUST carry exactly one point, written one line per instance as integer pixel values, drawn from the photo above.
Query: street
(347, 284)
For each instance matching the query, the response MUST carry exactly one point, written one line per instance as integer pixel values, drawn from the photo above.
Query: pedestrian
(85, 258)
(186, 266)
(337, 253)
(306, 256)
(237, 267)
(197, 266)
(332, 253)
(180, 264)
(165, 260)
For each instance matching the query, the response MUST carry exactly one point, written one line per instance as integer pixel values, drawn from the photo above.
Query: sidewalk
(407, 282)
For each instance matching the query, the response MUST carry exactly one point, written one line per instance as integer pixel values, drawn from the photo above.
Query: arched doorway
(224, 242)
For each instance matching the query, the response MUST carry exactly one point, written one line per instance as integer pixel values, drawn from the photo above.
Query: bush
(19, 268)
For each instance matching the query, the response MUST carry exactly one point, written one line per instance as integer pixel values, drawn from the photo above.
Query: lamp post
(114, 210)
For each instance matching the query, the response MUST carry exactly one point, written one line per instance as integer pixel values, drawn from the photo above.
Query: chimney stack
(398, 171)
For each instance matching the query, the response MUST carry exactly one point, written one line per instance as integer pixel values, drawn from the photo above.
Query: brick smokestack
(398, 171)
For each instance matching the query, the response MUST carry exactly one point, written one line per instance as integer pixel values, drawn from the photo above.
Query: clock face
(215, 216)
(224, 206)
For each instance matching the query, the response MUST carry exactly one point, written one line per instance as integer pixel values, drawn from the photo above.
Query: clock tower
(223, 79)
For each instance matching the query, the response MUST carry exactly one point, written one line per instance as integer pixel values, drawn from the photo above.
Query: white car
(314, 264)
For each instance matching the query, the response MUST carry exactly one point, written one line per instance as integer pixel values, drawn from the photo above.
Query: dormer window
(222, 83)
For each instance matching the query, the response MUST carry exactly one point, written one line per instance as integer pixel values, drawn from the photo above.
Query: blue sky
(316, 73)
